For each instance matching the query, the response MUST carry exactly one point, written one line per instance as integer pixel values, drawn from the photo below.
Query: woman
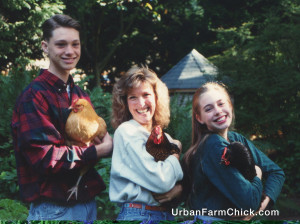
(140, 101)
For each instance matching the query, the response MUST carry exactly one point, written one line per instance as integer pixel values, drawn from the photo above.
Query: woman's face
(141, 104)
(215, 111)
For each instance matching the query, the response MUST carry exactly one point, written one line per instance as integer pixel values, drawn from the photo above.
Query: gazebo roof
(189, 73)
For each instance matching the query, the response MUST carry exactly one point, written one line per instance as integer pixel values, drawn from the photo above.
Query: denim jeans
(141, 214)
(206, 218)
(203, 218)
(47, 210)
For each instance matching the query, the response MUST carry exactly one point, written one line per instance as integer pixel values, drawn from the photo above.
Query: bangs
(137, 79)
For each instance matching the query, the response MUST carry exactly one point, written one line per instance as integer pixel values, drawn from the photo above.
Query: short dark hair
(57, 21)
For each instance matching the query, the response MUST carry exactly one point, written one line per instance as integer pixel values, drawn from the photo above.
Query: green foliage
(102, 103)
(180, 126)
(8, 177)
(262, 66)
(106, 25)
(11, 86)
(12, 210)
(254, 43)
(106, 209)
(20, 28)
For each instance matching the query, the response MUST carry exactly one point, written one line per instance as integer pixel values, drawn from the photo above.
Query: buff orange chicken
(82, 126)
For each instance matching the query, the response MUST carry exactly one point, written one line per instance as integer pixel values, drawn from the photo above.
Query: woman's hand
(175, 192)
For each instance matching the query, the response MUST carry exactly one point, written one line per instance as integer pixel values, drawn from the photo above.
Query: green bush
(180, 126)
(102, 103)
(12, 210)
(11, 86)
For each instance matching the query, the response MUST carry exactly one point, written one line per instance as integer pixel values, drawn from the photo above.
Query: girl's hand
(175, 192)
(263, 206)
(258, 172)
(264, 203)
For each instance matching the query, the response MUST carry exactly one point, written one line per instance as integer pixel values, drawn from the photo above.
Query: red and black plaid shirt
(46, 167)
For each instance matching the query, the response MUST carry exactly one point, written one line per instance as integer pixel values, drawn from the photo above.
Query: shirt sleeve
(227, 179)
(272, 174)
(41, 143)
(132, 162)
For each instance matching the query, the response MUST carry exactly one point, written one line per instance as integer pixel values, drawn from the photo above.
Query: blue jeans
(207, 218)
(141, 214)
(203, 218)
(46, 210)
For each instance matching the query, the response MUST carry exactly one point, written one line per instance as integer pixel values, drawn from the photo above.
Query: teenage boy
(47, 168)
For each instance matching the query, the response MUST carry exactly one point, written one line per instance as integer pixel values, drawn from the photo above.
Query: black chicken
(240, 157)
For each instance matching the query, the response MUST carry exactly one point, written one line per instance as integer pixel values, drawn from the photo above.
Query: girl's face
(215, 112)
(141, 104)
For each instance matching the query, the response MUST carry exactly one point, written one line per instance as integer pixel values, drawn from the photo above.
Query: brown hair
(57, 21)
(132, 79)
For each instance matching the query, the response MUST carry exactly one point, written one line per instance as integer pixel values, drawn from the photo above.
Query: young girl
(213, 185)
(140, 101)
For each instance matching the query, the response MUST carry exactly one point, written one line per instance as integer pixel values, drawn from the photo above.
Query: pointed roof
(189, 73)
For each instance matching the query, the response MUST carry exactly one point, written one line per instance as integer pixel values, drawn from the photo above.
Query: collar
(56, 82)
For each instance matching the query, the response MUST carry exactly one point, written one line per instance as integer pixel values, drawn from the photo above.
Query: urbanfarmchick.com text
(228, 212)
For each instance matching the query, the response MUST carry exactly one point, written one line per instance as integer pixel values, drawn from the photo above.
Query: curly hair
(133, 79)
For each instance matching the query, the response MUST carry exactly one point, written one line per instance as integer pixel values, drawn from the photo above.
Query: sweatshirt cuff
(90, 155)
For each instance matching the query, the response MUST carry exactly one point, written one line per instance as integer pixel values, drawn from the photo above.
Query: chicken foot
(74, 189)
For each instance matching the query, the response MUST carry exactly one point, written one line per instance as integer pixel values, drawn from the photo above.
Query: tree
(105, 25)
(118, 34)
(262, 63)
(20, 29)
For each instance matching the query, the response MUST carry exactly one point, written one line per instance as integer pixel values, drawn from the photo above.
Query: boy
(47, 168)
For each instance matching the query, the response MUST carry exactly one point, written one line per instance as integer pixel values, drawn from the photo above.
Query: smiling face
(63, 50)
(215, 111)
(142, 104)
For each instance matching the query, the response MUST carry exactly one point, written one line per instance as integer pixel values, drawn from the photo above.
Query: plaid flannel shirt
(46, 167)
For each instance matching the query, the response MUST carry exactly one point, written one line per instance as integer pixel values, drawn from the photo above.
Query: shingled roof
(189, 73)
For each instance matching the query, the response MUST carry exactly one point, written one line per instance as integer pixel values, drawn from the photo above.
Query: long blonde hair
(133, 79)
(200, 131)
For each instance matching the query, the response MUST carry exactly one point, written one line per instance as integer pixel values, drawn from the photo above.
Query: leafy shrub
(106, 209)
(11, 86)
(12, 210)
(102, 103)
(180, 126)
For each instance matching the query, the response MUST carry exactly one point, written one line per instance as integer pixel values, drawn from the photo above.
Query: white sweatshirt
(134, 172)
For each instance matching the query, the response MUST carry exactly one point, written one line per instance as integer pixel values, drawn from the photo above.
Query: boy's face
(63, 50)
